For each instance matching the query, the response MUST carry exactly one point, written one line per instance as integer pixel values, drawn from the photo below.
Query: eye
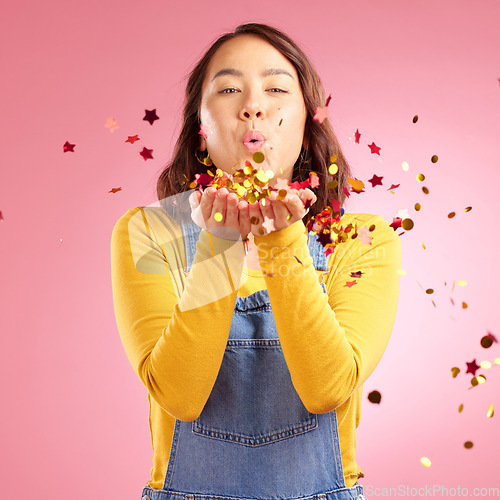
(276, 90)
(229, 90)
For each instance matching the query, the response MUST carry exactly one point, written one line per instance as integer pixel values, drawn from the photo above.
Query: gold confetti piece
(486, 341)
(218, 216)
(401, 272)
(462, 283)
(480, 379)
(434, 158)
(333, 169)
(468, 444)
(490, 411)
(375, 397)
(425, 190)
(423, 246)
(282, 194)
(460, 408)
(333, 158)
(407, 224)
(425, 462)
(270, 174)
(451, 215)
(254, 221)
(420, 177)
(485, 364)
(415, 119)
(455, 371)
(258, 157)
(332, 184)
(261, 231)
(468, 209)
(464, 305)
(429, 291)
(497, 361)
(371, 228)
(207, 161)
(417, 206)
(288, 217)
(281, 121)
(356, 184)
(405, 166)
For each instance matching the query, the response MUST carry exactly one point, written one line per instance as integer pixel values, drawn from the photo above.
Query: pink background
(75, 416)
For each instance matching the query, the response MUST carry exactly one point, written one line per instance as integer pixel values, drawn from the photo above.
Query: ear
(203, 143)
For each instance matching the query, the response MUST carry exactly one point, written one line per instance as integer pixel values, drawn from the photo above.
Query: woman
(253, 354)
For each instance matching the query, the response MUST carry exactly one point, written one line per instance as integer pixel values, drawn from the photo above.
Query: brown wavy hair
(320, 138)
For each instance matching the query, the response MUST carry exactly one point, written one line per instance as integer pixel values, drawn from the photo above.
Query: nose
(252, 109)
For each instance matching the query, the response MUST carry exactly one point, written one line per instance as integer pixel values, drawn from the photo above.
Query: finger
(266, 208)
(244, 219)
(295, 207)
(219, 206)
(256, 219)
(206, 202)
(281, 215)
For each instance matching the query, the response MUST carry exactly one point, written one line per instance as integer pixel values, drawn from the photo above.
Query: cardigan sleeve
(162, 321)
(332, 342)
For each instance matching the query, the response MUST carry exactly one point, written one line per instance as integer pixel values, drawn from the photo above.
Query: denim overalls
(254, 438)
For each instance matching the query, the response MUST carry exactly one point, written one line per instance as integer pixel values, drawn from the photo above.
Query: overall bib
(254, 438)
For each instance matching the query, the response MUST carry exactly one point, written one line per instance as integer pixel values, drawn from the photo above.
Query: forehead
(250, 53)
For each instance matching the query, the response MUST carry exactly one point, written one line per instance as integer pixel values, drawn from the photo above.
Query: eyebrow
(267, 72)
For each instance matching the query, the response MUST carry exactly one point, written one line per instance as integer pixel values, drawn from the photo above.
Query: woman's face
(252, 101)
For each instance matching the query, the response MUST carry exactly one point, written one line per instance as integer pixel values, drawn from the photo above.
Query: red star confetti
(146, 153)
(374, 149)
(472, 367)
(114, 190)
(350, 284)
(111, 124)
(357, 135)
(132, 138)
(151, 116)
(69, 147)
(268, 224)
(393, 186)
(322, 112)
(396, 223)
(375, 180)
(364, 236)
(204, 130)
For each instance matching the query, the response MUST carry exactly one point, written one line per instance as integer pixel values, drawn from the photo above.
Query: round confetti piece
(486, 365)
(460, 408)
(490, 411)
(468, 444)
(333, 158)
(207, 161)
(261, 231)
(371, 228)
(434, 158)
(405, 166)
(420, 177)
(375, 397)
(468, 209)
(455, 371)
(486, 342)
(333, 169)
(429, 291)
(425, 462)
(415, 119)
(464, 305)
(407, 224)
(425, 190)
(418, 206)
(451, 215)
(254, 221)
(258, 157)
(497, 361)
(462, 283)
(332, 184)
(218, 216)
(270, 174)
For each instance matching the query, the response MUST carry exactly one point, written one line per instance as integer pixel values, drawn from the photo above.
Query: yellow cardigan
(331, 342)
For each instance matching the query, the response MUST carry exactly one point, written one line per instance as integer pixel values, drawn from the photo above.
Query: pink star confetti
(364, 236)
(268, 224)
(314, 179)
(322, 112)
(111, 124)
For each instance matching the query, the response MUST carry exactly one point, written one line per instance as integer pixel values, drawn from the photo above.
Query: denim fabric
(254, 438)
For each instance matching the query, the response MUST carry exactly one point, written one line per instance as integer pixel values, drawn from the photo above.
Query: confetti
(357, 135)
(333, 169)
(472, 367)
(401, 272)
(486, 365)
(258, 157)
(415, 119)
(151, 116)
(375, 397)
(455, 371)
(434, 158)
(393, 186)
(468, 445)
(460, 408)
(114, 190)
(490, 411)
(420, 177)
(425, 190)
(111, 124)
(322, 112)
(468, 209)
(417, 207)
(132, 138)
(218, 216)
(425, 462)
(350, 284)
(451, 215)
(405, 166)
(407, 224)
(147, 154)
(375, 181)
(356, 274)
(364, 237)
(374, 149)
(462, 283)
(67, 147)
